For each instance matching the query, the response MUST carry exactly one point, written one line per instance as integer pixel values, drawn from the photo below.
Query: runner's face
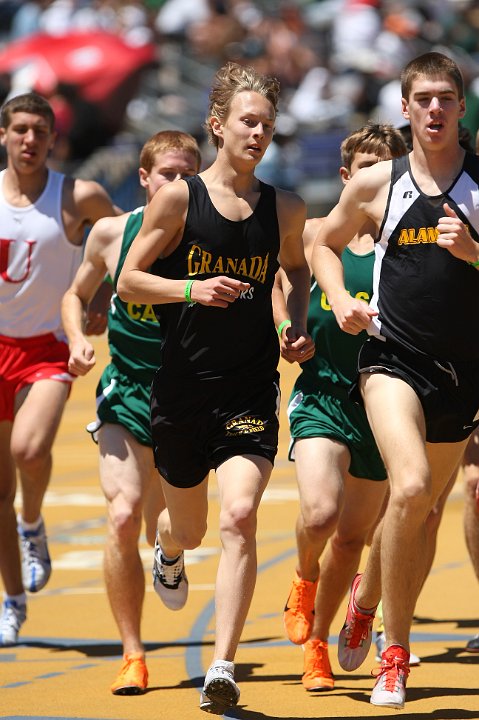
(168, 166)
(28, 140)
(434, 110)
(248, 128)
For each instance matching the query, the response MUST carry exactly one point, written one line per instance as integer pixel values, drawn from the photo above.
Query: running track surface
(70, 652)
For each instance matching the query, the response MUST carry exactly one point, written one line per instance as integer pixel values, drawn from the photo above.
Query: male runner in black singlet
(419, 370)
(213, 243)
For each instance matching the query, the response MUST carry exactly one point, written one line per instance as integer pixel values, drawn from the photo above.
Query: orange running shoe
(133, 677)
(317, 669)
(299, 610)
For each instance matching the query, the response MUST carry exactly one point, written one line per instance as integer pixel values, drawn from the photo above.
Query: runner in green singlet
(128, 476)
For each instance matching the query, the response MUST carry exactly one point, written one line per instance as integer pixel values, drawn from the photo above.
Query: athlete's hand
(296, 345)
(82, 357)
(454, 236)
(352, 314)
(219, 291)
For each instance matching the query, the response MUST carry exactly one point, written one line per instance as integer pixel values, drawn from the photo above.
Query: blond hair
(229, 81)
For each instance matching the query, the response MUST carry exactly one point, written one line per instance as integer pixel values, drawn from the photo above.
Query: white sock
(169, 559)
(29, 526)
(18, 599)
(227, 664)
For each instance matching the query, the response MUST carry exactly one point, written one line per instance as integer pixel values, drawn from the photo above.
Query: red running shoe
(355, 637)
(390, 688)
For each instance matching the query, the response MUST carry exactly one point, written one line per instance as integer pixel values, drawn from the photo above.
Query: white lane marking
(102, 590)
(87, 498)
(93, 559)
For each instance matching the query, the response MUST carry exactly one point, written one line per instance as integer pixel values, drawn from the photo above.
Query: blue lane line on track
(7, 658)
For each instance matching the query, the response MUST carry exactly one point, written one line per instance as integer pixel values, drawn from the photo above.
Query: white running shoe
(220, 691)
(12, 618)
(169, 579)
(390, 688)
(36, 563)
(381, 644)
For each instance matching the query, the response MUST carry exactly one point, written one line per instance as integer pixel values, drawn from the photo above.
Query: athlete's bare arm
(362, 199)
(310, 233)
(84, 202)
(291, 211)
(101, 256)
(294, 348)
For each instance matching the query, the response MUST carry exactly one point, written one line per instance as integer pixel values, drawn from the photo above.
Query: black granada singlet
(427, 299)
(239, 341)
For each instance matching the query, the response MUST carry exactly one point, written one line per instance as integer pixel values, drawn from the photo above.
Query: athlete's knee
(412, 498)
(239, 519)
(124, 522)
(31, 457)
(188, 537)
(320, 521)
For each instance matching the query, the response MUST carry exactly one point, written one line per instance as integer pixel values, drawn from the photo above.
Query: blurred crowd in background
(338, 62)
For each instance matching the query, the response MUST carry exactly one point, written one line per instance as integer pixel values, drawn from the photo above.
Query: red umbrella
(97, 63)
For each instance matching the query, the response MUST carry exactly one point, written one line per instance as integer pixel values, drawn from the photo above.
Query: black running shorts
(198, 425)
(448, 391)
